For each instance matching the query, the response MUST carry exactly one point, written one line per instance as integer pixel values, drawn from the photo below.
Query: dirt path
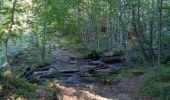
(125, 89)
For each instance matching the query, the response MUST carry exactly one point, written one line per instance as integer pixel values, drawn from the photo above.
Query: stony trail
(77, 85)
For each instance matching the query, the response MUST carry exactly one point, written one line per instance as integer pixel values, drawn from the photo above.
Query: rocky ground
(75, 77)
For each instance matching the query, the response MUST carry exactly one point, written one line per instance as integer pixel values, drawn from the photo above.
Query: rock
(89, 79)
(77, 80)
(115, 66)
(119, 78)
(112, 54)
(92, 71)
(43, 65)
(97, 63)
(73, 80)
(58, 62)
(93, 55)
(88, 60)
(74, 58)
(64, 48)
(27, 73)
(112, 60)
(108, 54)
(74, 62)
(42, 69)
(122, 96)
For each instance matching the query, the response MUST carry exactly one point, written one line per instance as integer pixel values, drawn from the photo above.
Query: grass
(106, 78)
(28, 57)
(157, 85)
(12, 87)
(133, 70)
(10, 84)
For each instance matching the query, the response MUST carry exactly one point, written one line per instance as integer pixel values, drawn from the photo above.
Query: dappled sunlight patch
(1, 88)
(7, 73)
(94, 96)
(15, 97)
(51, 84)
(79, 93)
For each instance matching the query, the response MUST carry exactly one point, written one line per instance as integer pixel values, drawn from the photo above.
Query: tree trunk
(137, 33)
(122, 24)
(160, 32)
(43, 53)
(152, 28)
(9, 33)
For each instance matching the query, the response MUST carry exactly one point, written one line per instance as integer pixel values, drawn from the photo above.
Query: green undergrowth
(106, 78)
(157, 85)
(14, 87)
(166, 59)
(90, 52)
(29, 57)
(134, 70)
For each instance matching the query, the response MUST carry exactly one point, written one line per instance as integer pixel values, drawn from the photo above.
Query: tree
(160, 32)
(8, 34)
(152, 26)
(122, 23)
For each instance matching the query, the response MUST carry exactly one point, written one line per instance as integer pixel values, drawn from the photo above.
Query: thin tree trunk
(79, 26)
(160, 32)
(136, 33)
(44, 42)
(122, 24)
(152, 28)
(9, 32)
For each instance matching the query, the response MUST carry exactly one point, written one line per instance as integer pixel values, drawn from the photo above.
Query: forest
(84, 49)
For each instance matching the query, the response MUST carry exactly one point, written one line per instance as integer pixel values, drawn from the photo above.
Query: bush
(166, 59)
(10, 81)
(14, 87)
(91, 53)
(158, 84)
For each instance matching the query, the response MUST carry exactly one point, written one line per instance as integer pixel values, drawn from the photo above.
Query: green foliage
(91, 53)
(133, 70)
(89, 27)
(166, 59)
(31, 57)
(14, 84)
(158, 84)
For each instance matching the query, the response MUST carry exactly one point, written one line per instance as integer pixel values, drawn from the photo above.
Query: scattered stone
(74, 62)
(122, 96)
(96, 63)
(64, 48)
(112, 60)
(73, 80)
